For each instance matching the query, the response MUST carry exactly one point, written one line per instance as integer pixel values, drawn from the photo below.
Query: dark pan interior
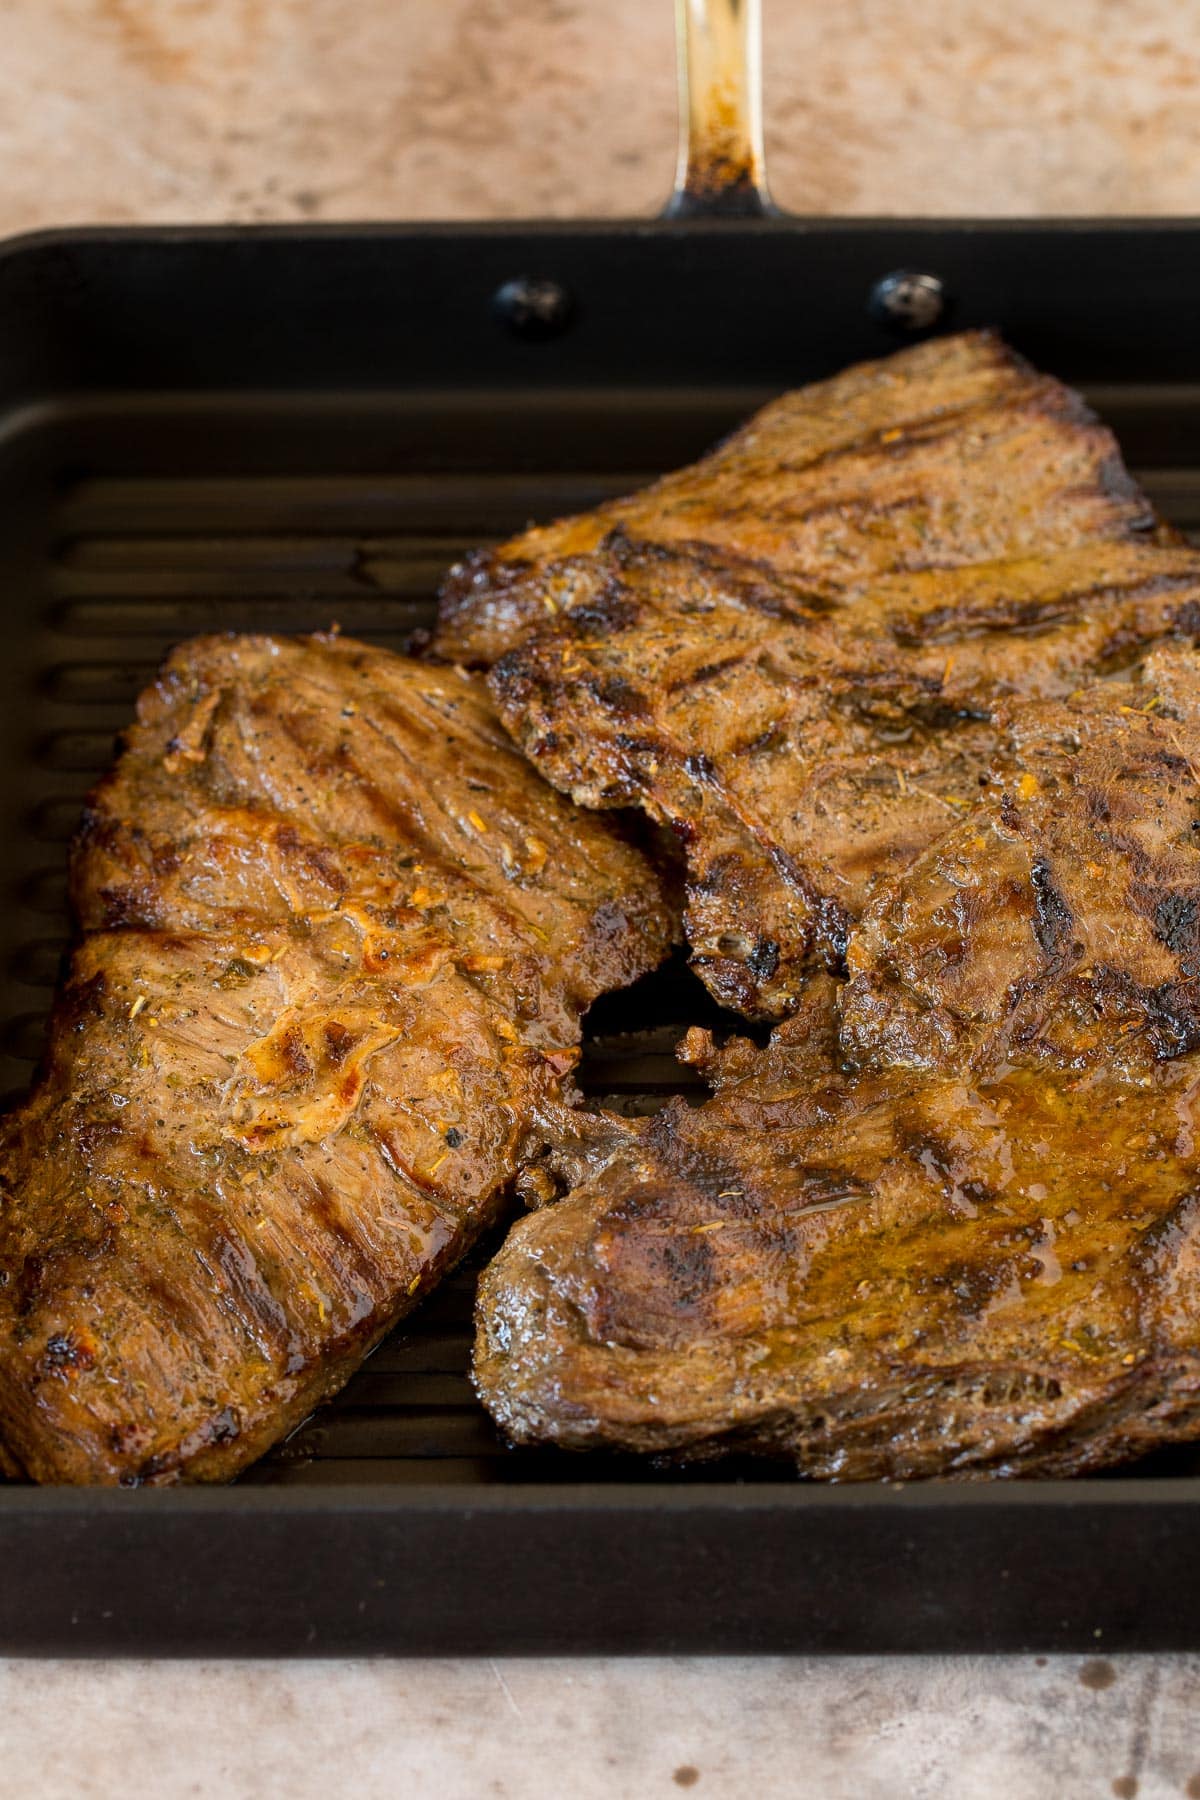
(132, 520)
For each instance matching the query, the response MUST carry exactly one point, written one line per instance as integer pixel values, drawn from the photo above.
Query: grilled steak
(335, 941)
(793, 652)
(948, 1222)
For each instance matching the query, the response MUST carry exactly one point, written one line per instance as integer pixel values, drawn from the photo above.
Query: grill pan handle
(721, 171)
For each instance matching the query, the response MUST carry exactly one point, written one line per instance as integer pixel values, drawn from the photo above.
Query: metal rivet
(532, 306)
(908, 301)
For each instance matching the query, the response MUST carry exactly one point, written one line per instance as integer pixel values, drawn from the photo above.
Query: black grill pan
(276, 429)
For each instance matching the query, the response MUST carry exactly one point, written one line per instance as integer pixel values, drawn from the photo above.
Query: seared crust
(793, 652)
(335, 941)
(947, 1222)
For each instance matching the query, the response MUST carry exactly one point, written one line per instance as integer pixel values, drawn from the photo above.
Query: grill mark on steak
(946, 624)
(357, 1264)
(354, 936)
(706, 672)
(1052, 916)
(1177, 923)
(863, 576)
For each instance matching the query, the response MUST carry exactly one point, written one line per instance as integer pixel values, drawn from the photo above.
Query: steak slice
(793, 652)
(948, 1221)
(335, 941)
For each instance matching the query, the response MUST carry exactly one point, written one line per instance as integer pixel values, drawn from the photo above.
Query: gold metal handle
(720, 173)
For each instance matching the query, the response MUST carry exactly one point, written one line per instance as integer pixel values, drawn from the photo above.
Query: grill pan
(277, 428)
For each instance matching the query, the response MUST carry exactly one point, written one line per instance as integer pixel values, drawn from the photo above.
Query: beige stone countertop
(336, 109)
(209, 110)
(1020, 1728)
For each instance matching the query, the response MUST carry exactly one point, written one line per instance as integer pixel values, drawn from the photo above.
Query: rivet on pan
(534, 307)
(908, 301)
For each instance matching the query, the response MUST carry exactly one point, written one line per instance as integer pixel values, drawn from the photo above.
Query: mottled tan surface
(289, 109)
(716, 1728)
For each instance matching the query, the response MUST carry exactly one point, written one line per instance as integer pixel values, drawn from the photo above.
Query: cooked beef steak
(335, 941)
(948, 1222)
(793, 652)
